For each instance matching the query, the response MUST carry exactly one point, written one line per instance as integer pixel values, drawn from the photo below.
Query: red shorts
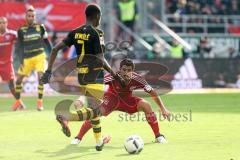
(7, 71)
(113, 102)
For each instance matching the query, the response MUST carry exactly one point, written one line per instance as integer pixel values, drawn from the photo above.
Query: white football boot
(161, 139)
(75, 141)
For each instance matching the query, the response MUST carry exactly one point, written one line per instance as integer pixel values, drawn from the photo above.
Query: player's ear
(98, 17)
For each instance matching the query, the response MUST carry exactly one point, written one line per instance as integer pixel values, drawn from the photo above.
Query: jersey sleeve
(43, 32)
(147, 88)
(14, 34)
(97, 40)
(108, 79)
(143, 83)
(69, 40)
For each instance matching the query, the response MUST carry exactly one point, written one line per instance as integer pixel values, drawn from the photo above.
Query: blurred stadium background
(198, 40)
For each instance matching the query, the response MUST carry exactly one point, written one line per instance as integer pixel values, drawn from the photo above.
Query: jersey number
(82, 52)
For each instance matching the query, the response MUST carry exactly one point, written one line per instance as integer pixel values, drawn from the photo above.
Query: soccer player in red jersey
(7, 38)
(121, 99)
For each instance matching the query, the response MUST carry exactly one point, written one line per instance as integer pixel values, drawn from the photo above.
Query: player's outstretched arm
(160, 104)
(47, 44)
(54, 53)
(45, 38)
(108, 68)
(47, 75)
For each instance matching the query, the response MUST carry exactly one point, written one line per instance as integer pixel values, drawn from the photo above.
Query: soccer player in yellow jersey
(89, 44)
(32, 39)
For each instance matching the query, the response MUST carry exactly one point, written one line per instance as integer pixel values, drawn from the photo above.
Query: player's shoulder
(23, 27)
(75, 30)
(95, 31)
(39, 25)
(12, 32)
(82, 29)
(100, 32)
(137, 77)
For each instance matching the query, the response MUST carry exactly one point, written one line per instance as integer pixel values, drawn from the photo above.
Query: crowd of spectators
(205, 7)
(213, 9)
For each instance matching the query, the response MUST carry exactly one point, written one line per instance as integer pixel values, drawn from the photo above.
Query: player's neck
(90, 23)
(30, 24)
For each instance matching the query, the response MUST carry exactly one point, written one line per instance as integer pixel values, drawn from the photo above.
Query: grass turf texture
(213, 133)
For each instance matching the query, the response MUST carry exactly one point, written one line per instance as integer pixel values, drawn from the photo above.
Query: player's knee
(146, 107)
(39, 77)
(40, 82)
(19, 81)
(78, 104)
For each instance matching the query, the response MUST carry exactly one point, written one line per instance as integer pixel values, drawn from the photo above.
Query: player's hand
(166, 114)
(46, 77)
(120, 79)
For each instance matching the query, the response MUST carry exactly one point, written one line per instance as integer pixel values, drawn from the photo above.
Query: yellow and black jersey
(87, 40)
(31, 40)
(89, 43)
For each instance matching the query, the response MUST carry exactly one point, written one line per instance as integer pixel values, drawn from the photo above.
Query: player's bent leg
(86, 126)
(94, 104)
(109, 104)
(40, 93)
(97, 130)
(18, 103)
(104, 109)
(63, 115)
(79, 103)
(151, 119)
(63, 109)
(144, 106)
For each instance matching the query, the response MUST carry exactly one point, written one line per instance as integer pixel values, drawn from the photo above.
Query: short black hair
(92, 10)
(127, 62)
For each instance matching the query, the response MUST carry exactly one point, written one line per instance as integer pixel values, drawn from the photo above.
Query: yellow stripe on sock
(40, 92)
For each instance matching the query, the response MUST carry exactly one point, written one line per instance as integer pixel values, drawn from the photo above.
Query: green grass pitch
(210, 132)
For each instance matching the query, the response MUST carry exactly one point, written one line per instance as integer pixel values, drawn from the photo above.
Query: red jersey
(6, 45)
(136, 82)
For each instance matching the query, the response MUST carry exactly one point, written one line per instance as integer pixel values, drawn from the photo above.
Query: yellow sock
(97, 130)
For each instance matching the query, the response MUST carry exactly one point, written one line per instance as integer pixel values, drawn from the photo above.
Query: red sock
(152, 121)
(84, 129)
